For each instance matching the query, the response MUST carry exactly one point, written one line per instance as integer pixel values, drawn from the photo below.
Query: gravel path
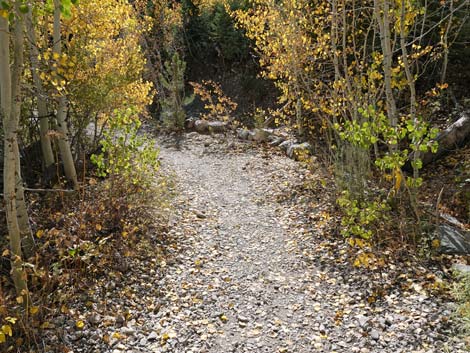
(252, 273)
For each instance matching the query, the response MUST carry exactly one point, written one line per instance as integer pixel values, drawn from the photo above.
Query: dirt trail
(251, 271)
(243, 284)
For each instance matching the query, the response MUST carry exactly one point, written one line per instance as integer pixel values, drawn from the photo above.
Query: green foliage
(174, 99)
(125, 153)
(359, 137)
(361, 217)
(211, 32)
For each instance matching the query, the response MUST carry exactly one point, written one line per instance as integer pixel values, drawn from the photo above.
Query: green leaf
(24, 8)
(5, 5)
(66, 8)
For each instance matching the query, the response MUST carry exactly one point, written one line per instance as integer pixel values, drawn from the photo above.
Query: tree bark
(11, 160)
(382, 9)
(64, 144)
(448, 140)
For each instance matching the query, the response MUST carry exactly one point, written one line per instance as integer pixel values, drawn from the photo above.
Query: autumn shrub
(105, 64)
(217, 105)
(348, 73)
(125, 154)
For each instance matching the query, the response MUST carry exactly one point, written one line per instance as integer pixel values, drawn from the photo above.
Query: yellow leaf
(436, 243)
(6, 329)
(117, 335)
(6, 252)
(40, 233)
(398, 179)
(3, 338)
(55, 56)
(80, 324)
(19, 299)
(34, 310)
(98, 227)
(11, 320)
(223, 318)
(45, 325)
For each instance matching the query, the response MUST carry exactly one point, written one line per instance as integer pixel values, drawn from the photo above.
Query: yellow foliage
(102, 67)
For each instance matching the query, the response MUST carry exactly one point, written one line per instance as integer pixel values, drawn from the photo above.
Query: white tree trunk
(11, 161)
(64, 144)
(382, 14)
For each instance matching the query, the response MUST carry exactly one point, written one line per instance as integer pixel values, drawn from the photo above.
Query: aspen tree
(8, 103)
(64, 144)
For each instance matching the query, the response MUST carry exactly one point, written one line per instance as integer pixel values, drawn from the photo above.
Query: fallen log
(448, 140)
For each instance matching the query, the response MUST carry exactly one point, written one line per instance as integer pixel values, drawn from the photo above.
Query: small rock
(129, 331)
(94, 319)
(374, 334)
(120, 320)
(200, 214)
(152, 336)
(362, 320)
(242, 318)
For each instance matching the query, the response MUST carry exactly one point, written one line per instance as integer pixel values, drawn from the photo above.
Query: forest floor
(252, 265)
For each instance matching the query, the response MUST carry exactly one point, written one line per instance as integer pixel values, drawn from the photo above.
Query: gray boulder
(286, 145)
(243, 134)
(217, 127)
(201, 126)
(276, 141)
(453, 241)
(210, 127)
(259, 135)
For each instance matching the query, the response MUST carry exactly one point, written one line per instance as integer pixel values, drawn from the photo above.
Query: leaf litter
(253, 263)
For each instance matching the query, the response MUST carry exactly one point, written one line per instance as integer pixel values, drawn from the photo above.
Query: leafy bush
(125, 153)
(218, 106)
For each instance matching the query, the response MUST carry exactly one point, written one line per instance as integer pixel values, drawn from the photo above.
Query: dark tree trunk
(449, 140)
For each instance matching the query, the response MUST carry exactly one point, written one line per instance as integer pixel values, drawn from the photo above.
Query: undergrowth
(461, 293)
(85, 235)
